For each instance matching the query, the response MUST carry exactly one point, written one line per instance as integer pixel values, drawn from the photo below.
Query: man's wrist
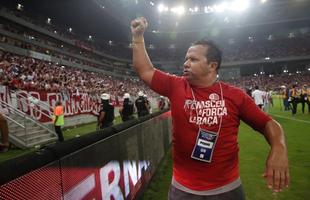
(137, 40)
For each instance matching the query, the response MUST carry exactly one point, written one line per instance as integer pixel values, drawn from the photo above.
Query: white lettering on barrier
(111, 181)
(82, 189)
(130, 170)
(110, 188)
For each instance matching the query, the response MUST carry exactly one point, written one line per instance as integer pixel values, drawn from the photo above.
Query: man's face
(196, 66)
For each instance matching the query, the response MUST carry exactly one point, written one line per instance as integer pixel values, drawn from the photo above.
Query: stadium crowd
(27, 73)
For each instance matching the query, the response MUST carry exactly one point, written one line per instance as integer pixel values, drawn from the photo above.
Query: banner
(74, 104)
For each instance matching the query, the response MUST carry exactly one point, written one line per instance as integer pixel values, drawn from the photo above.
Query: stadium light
(162, 8)
(267, 58)
(152, 4)
(208, 9)
(179, 10)
(221, 7)
(90, 37)
(309, 69)
(70, 29)
(239, 5)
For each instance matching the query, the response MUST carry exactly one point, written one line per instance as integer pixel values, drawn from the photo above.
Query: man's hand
(138, 27)
(277, 170)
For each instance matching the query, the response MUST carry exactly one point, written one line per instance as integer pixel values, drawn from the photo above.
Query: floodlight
(221, 7)
(179, 10)
(239, 5)
(162, 8)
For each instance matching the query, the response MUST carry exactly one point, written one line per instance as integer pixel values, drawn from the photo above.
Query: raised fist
(138, 27)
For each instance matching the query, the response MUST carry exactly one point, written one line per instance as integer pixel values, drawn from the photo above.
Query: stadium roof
(172, 20)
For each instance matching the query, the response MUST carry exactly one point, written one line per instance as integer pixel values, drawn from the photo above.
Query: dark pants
(294, 106)
(59, 133)
(176, 194)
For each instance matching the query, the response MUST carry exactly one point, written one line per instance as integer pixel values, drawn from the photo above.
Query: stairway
(30, 134)
(24, 130)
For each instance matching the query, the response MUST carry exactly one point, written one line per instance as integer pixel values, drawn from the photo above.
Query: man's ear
(214, 65)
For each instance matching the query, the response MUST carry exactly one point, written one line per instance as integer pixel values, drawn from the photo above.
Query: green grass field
(253, 153)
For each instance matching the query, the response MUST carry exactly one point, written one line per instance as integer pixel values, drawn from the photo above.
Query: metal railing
(23, 122)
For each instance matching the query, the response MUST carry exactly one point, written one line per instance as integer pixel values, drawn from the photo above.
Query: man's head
(140, 94)
(202, 62)
(105, 96)
(212, 53)
(126, 96)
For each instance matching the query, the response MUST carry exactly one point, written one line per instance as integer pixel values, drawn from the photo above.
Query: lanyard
(221, 116)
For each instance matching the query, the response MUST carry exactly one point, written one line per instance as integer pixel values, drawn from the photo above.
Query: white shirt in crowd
(258, 97)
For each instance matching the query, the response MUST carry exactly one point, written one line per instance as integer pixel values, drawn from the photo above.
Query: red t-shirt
(186, 118)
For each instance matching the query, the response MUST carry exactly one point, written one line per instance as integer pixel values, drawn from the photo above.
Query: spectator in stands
(206, 114)
(58, 120)
(126, 111)
(106, 115)
(142, 105)
(4, 145)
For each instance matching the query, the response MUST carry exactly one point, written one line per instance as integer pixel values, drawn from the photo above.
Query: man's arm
(101, 117)
(141, 60)
(277, 167)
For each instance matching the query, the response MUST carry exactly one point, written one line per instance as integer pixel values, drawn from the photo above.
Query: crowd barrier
(114, 163)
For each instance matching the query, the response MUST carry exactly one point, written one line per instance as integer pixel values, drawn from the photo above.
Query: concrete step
(30, 134)
(41, 142)
(15, 129)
